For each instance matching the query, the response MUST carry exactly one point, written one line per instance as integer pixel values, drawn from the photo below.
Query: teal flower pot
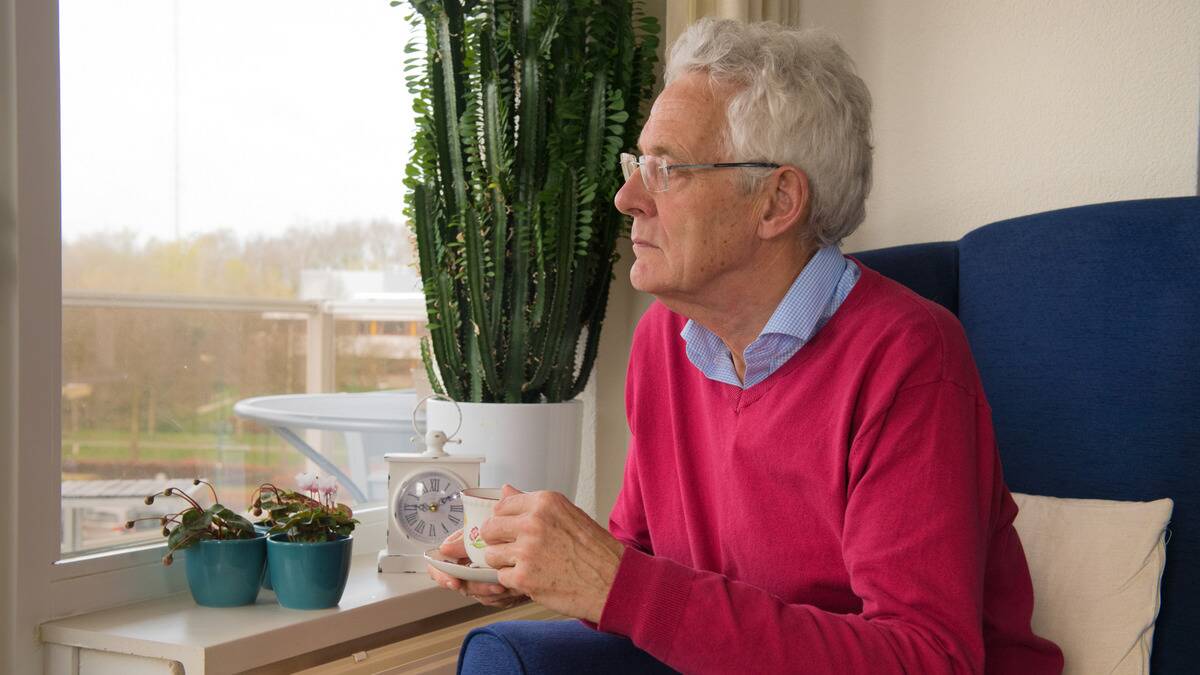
(308, 576)
(225, 573)
(264, 530)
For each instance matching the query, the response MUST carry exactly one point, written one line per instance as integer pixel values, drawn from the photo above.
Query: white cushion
(1096, 567)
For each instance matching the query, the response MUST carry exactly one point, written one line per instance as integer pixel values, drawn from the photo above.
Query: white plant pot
(531, 446)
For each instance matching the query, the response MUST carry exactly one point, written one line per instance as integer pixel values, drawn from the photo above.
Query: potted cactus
(224, 558)
(309, 542)
(523, 108)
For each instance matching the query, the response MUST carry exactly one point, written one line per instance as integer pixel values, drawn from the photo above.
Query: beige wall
(8, 315)
(987, 110)
(983, 110)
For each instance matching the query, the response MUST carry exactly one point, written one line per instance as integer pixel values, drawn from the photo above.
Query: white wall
(987, 110)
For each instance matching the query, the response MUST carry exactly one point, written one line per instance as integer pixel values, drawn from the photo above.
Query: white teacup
(477, 508)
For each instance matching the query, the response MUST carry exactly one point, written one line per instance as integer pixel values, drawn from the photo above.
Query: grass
(92, 449)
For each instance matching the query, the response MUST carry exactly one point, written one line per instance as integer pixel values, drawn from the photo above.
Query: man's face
(687, 238)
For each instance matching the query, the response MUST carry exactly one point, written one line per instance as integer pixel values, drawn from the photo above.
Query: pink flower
(306, 482)
(328, 486)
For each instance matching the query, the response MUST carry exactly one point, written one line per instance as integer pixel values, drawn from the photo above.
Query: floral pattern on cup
(478, 505)
(475, 539)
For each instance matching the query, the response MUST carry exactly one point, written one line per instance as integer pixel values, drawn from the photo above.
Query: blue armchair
(1085, 325)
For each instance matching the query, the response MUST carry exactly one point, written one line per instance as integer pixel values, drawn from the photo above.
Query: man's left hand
(549, 549)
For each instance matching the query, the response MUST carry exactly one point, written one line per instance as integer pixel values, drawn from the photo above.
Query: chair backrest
(1085, 325)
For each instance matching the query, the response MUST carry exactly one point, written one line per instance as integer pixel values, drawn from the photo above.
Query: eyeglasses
(655, 171)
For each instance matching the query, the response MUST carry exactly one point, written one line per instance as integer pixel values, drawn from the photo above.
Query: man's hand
(492, 595)
(547, 548)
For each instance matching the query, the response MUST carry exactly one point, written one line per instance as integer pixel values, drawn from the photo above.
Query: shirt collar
(800, 311)
(697, 336)
(812, 298)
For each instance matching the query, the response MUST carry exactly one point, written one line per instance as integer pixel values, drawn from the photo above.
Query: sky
(186, 116)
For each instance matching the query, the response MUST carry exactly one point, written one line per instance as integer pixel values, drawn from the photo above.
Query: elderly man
(813, 482)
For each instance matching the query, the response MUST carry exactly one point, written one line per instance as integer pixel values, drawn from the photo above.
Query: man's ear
(787, 200)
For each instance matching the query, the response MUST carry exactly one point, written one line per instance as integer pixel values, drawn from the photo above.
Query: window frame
(30, 232)
(88, 582)
(46, 586)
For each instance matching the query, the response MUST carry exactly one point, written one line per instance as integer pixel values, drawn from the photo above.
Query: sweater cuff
(647, 600)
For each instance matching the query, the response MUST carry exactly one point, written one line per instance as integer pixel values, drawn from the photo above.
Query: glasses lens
(629, 164)
(653, 170)
(654, 173)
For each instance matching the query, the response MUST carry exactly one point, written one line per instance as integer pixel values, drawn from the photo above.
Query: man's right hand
(492, 595)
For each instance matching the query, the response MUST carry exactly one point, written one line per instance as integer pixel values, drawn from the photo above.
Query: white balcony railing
(96, 523)
(319, 315)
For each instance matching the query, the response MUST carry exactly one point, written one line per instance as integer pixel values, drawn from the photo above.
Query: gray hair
(799, 102)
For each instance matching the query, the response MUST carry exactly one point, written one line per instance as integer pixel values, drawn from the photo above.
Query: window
(231, 182)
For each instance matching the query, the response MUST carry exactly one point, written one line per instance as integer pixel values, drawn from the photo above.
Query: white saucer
(459, 571)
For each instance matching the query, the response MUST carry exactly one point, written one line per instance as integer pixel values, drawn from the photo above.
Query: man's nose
(633, 199)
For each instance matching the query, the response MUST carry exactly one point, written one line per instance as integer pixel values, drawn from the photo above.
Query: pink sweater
(846, 515)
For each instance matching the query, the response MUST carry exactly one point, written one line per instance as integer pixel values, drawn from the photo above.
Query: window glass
(231, 175)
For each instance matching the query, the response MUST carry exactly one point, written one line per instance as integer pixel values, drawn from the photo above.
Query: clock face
(429, 506)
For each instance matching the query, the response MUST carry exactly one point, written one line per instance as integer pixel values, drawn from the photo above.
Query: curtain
(682, 13)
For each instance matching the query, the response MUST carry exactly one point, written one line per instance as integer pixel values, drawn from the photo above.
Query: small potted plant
(225, 556)
(263, 527)
(310, 542)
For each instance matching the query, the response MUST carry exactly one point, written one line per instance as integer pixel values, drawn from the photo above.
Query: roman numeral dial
(428, 506)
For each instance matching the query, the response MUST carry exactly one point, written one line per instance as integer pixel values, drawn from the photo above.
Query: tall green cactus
(523, 107)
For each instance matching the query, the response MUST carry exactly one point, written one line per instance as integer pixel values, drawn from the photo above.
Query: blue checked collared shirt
(815, 295)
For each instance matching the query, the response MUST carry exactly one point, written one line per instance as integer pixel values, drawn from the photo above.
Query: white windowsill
(227, 640)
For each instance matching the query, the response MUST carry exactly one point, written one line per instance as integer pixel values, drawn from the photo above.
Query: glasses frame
(628, 159)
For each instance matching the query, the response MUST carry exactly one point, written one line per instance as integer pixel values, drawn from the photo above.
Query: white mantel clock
(425, 498)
